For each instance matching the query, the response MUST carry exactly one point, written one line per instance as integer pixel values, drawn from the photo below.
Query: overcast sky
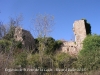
(65, 12)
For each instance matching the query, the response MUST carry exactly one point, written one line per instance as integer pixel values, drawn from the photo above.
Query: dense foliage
(49, 44)
(89, 56)
(5, 45)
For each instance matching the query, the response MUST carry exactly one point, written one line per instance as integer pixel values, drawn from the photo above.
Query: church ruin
(81, 29)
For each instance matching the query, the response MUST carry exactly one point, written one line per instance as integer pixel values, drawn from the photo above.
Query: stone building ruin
(81, 29)
(25, 37)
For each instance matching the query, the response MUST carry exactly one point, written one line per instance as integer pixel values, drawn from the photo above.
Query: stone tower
(25, 37)
(81, 28)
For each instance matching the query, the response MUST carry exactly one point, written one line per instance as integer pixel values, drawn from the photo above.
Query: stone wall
(73, 47)
(69, 47)
(25, 37)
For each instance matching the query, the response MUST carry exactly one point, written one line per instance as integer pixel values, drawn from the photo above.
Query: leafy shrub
(89, 56)
(5, 45)
(34, 60)
(19, 44)
(62, 60)
(21, 59)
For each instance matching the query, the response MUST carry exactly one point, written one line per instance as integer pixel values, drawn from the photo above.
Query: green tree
(89, 56)
(51, 45)
(43, 25)
(5, 45)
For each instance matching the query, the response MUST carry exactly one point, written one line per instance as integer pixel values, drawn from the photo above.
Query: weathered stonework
(80, 28)
(69, 47)
(25, 37)
(80, 32)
